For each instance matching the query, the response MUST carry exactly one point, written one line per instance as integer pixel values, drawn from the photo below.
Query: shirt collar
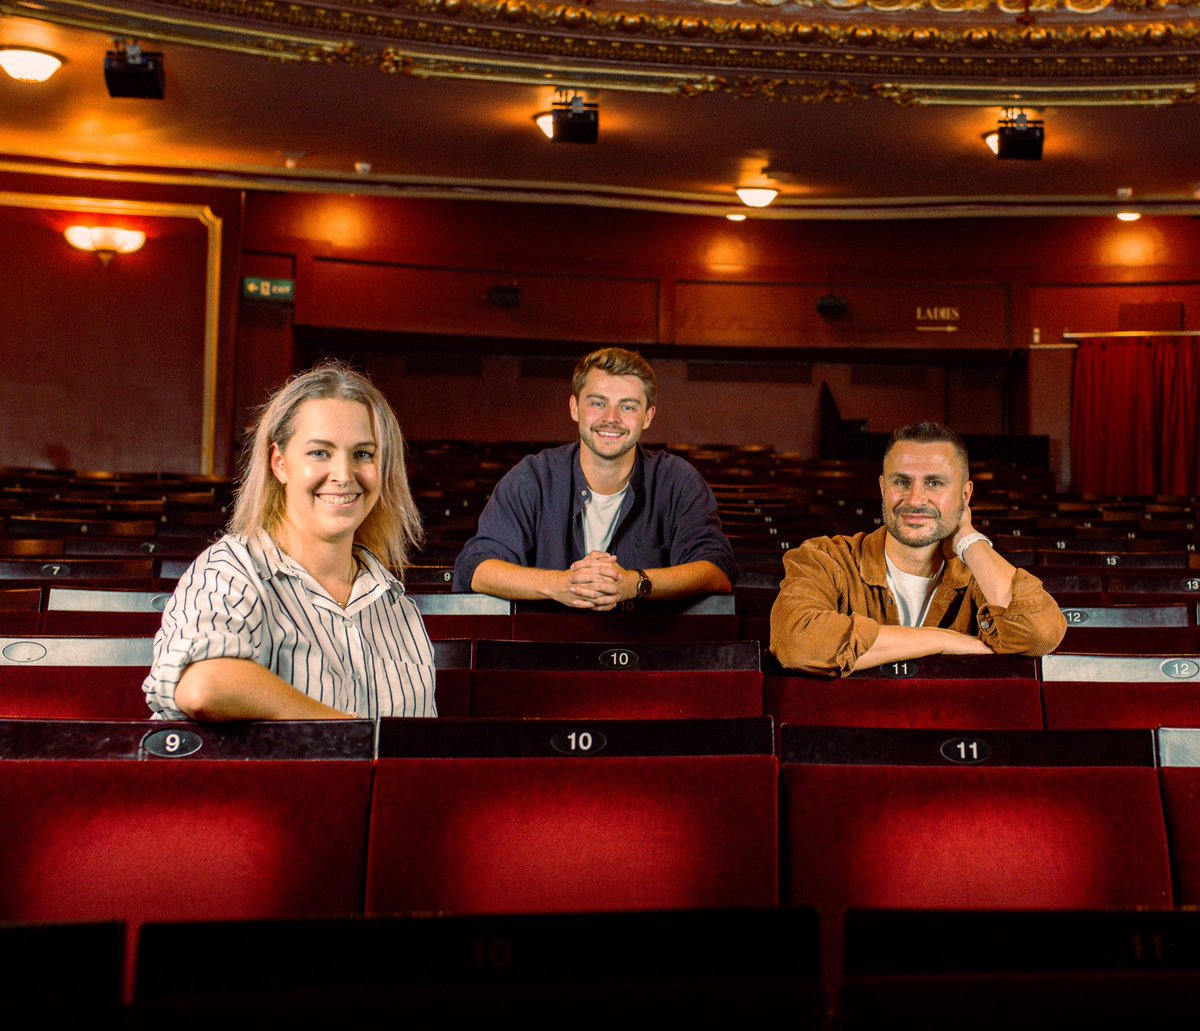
(873, 565)
(580, 491)
(270, 561)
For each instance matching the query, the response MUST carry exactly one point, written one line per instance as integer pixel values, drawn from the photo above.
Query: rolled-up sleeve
(507, 530)
(215, 613)
(1031, 623)
(698, 536)
(811, 626)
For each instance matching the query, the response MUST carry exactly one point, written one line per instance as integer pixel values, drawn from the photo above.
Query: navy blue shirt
(535, 517)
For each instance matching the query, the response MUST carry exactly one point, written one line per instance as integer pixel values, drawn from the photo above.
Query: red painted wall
(104, 364)
(749, 286)
(102, 367)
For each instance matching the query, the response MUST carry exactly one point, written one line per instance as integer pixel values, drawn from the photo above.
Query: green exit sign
(255, 289)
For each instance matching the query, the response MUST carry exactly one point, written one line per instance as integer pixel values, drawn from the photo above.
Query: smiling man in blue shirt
(600, 521)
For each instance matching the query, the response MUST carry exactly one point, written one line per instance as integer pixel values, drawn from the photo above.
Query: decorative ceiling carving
(1098, 52)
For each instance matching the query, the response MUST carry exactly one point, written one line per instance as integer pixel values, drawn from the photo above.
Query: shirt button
(985, 624)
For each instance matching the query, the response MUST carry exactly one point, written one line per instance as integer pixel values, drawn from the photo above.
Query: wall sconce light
(28, 65)
(756, 196)
(736, 217)
(992, 139)
(1129, 214)
(105, 241)
(544, 120)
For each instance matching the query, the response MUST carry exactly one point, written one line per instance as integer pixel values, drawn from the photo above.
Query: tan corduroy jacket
(834, 597)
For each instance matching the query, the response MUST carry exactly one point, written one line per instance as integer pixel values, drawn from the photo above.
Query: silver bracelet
(960, 549)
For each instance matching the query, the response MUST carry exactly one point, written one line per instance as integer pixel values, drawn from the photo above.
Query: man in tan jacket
(925, 583)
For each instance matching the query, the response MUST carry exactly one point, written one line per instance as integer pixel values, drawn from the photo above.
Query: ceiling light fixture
(1019, 137)
(1128, 215)
(756, 196)
(571, 119)
(105, 241)
(26, 64)
(736, 218)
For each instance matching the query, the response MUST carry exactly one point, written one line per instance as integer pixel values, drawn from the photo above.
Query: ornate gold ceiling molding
(779, 54)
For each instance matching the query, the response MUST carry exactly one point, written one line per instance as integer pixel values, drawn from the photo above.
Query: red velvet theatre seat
(99, 613)
(942, 691)
(694, 968)
(470, 616)
(1127, 630)
(1034, 970)
(537, 816)
(616, 680)
(1081, 691)
(157, 821)
(452, 662)
(74, 677)
(1179, 774)
(712, 618)
(987, 820)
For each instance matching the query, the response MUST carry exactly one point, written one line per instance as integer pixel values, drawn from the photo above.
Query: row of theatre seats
(630, 813)
(1133, 667)
(463, 868)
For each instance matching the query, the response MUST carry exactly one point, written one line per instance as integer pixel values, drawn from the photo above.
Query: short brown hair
(929, 432)
(616, 361)
(392, 525)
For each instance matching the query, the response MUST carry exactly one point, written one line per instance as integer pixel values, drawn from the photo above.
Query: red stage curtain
(1134, 423)
(1177, 374)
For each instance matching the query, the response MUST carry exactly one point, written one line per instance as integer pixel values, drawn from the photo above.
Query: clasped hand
(597, 582)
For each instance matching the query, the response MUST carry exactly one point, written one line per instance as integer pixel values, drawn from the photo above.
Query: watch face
(644, 586)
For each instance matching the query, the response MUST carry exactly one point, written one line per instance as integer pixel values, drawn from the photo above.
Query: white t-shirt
(912, 593)
(600, 518)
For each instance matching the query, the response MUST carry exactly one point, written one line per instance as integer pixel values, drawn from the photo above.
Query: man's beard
(941, 528)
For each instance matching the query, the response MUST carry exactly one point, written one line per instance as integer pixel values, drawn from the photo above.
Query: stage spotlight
(130, 71)
(574, 120)
(1019, 137)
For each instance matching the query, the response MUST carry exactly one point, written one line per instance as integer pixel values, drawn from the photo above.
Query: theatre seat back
(616, 680)
(139, 837)
(74, 677)
(549, 816)
(710, 618)
(680, 968)
(1039, 969)
(100, 613)
(1098, 691)
(1128, 630)
(947, 692)
(469, 616)
(1179, 772)
(986, 820)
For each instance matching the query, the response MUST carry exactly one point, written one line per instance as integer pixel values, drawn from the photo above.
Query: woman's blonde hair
(393, 525)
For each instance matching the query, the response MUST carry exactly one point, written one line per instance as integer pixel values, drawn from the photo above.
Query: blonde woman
(294, 614)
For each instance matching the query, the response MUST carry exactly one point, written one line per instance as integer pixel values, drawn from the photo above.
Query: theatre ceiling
(849, 108)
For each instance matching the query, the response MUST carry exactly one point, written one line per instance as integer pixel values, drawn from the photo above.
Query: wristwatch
(644, 585)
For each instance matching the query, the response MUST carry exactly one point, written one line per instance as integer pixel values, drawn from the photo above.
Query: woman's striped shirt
(244, 598)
